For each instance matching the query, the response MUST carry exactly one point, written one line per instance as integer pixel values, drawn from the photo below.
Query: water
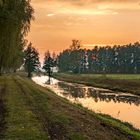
(123, 106)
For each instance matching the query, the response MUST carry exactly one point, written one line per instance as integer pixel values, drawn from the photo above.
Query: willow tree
(15, 18)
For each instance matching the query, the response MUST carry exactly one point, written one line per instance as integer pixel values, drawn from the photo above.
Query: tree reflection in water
(122, 106)
(80, 91)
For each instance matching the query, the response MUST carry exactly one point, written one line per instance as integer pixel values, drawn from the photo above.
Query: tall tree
(32, 63)
(116, 59)
(15, 17)
(48, 64)
(71, 59)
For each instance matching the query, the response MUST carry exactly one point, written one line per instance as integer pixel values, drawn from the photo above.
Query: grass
(77, 136)
(21, 122)
(117, 82)
(61, 118)
(107, 119)
(122, 126)
(114, 76)
(36, 113)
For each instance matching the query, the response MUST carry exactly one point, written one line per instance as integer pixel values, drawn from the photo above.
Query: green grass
(126, 127)
(117, 82)
(77, 136)
(60, 118)
(21, 122)
(114, 76)
(110, 76)
(36, 113)
(107, 119)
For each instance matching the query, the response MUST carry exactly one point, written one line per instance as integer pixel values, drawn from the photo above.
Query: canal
(123, 106)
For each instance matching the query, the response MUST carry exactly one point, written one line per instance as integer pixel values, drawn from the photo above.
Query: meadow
(117, 82)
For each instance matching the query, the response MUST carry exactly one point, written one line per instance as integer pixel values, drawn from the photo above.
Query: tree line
(32, 63)
(15, 18)
(108, 59)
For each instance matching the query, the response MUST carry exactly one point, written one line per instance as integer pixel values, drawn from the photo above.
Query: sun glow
(92, 21)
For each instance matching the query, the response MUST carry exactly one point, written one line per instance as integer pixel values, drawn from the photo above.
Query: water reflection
(123, 106)
(79, 91)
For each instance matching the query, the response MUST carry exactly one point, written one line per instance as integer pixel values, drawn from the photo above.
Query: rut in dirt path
(56, 131)
(3, 112)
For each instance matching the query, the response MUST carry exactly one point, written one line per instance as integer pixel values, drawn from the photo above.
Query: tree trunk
(0, 71)
(29, 74)
(15, 70)
(49, 80)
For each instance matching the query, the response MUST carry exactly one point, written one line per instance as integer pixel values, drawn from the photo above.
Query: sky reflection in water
(123, 106)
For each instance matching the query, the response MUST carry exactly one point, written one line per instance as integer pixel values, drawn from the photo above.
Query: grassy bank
(31, 112)
(118, 82)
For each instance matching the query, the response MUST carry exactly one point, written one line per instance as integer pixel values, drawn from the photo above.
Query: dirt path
(3, 111)
(56, 131)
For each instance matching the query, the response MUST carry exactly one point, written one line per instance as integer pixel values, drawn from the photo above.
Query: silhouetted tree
(48, 64)
(32, 63)
(15, 17)
(116, 59)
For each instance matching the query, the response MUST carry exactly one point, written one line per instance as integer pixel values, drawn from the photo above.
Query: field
(114, 76)
(31, 112)
(118, 82)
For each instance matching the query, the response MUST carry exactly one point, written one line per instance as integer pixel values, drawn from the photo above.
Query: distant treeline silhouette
(109, 59)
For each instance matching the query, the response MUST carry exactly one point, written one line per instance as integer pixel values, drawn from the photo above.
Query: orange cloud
(57, 22)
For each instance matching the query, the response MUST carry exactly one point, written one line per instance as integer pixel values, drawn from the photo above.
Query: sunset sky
(57, 22)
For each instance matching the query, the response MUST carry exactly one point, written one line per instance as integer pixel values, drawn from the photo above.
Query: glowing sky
(57, 22)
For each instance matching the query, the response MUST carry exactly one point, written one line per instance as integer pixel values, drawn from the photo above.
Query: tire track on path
(3, 110)
(56, 131)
